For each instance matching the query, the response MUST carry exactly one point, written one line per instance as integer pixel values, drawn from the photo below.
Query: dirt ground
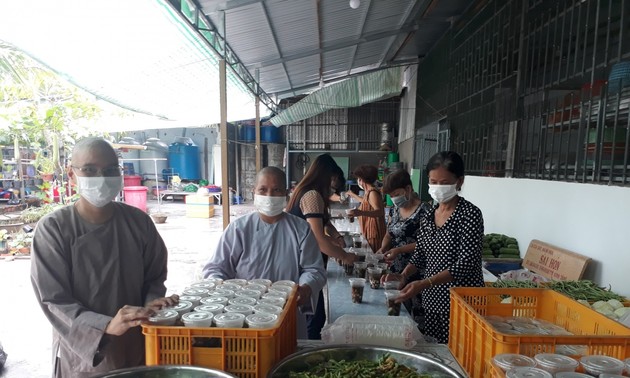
(26, 334)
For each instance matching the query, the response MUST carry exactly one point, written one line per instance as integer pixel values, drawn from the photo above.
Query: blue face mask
(400, 201)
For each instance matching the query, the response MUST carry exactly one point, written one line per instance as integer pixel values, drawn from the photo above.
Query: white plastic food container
(229, 320)
(527, 372)
(222, 293)
(164, 318)
(196, 291)
(204, 285)
(261, 320)
(197, 319)
(275, 301)
(267, 309)
(214, 308)
(507, 361)
(276, 294)
(279, 293)
(596, 365)
(229, 286)
(260, 281)
(236, 281)
(182, 307)
(555, 363)
(288, 283)
(242, 301)
(258, 287)
(215, 300)
(572, 374)
(627, 361)
(194, 299)
(241, 309)
(248, 293)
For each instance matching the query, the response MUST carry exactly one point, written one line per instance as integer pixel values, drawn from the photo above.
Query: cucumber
(509, 251)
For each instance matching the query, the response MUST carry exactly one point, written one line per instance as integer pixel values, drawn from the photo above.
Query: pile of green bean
(585, 290)
(385, 367)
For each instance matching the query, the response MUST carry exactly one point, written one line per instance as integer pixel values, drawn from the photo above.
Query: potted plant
(20, 243)
(45, 166)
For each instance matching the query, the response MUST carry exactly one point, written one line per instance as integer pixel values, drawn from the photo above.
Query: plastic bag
(373, 330)
(625, 319)
(523, 275)
(3, 356)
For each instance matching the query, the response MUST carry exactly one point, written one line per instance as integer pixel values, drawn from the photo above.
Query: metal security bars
(536, 89)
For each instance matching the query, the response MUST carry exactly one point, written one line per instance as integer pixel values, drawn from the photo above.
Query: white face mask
(99, 190)
(400, 201)
(360, 184)
(443, 193)
(269, 205)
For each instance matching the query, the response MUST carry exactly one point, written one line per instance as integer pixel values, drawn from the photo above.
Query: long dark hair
(318, 178)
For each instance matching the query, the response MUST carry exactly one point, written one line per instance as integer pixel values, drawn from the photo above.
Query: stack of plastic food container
(229, 320)
(527, 372)
(596, 365)
(261, 320)
(507, 361)
(555, 363)
(197, 319)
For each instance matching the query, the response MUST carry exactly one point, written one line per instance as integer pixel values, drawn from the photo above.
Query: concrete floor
(26, 334)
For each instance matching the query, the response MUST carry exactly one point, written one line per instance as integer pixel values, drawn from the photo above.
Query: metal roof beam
(190, 12)
(211, 6)
(420, 7)
(356, 47)
(275, 42)
(334, 46)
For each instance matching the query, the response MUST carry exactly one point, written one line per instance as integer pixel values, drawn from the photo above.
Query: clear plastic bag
(373, 330)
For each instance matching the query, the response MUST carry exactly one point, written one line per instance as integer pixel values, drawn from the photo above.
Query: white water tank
(126, 154)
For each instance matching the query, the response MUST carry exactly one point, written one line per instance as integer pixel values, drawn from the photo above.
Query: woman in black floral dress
(400, 240)
(448, 244)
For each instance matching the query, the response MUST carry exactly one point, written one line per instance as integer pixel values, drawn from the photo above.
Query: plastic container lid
(602, 364)
(261, 320)
(572, 374)
(275, 301)
(357, 282)
(215, 280)
(241, 309)
(288, 283)
(242, 301)
(215, 300)
(230, 286)
(259, 287)
(554, 363)
(196, 291)
(284, 288)
(164, 317)
(222, 293)
(392, 294)
(229, 320)
(267, 309)
(527, 372)
(248, 293)
(507, 361)
(261, 281)
(214, 308)
(606, 375)
(391, 285)
(236, 281)
(182, 307)
(277, 293)
(627, 362)
(198, 319)
(204, 285)
(194, 299)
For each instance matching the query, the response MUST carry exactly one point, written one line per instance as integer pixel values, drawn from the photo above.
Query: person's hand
(160, 303)
(340, 242)
(391, 254)
(393, 277)
(303, 294)
(349, 258)
(410, 290)
(128, 317)
(354, 212)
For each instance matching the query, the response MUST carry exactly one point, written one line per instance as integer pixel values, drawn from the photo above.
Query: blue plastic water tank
(183, 158)
(270, 134)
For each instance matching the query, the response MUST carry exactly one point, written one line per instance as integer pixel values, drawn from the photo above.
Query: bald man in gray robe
(98, 270)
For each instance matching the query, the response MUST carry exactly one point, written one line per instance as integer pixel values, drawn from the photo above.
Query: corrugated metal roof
(315, 41)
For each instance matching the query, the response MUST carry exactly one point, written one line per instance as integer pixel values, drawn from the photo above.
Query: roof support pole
(258, 147)
(225, 184)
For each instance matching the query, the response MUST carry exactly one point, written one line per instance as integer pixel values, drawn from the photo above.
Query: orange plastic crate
(246, 353)
(473, 341)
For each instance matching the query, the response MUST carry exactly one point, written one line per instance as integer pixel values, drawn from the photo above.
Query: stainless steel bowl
(305, 360)
(166, 371)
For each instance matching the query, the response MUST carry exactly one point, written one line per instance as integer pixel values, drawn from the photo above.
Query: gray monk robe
(84, 273)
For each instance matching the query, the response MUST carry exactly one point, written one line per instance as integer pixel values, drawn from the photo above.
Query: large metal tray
(303, 361)
(166, 371)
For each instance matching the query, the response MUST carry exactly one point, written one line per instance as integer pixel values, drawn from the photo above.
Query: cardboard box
(554, 262)
(199, 206)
